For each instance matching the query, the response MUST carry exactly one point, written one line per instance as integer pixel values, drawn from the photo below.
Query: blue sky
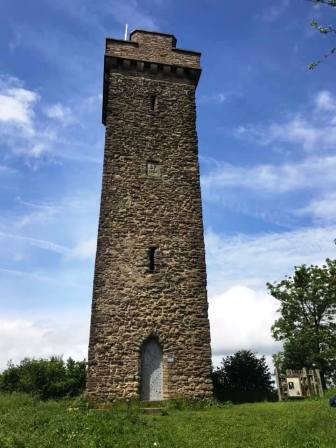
(267, 133)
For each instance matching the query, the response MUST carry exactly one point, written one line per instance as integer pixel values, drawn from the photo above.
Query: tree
(45, 378)
(329, 29)
(243, 377)
(307, 325)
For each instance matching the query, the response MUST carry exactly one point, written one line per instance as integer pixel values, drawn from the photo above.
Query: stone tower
(149, 328)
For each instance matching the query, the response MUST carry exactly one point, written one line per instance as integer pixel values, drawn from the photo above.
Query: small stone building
(298, 383)
(149, 334)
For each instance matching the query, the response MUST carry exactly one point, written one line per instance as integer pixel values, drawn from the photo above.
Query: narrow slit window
(151, 259)
(153, 102)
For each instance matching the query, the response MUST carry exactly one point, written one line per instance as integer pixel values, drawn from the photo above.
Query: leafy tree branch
(307, 322)
(322, 29)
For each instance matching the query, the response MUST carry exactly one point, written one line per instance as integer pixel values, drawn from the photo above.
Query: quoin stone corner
(150, 335)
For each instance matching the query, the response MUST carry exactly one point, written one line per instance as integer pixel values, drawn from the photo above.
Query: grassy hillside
(26, 422)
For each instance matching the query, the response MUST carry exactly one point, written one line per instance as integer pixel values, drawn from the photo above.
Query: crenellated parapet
(149, 53)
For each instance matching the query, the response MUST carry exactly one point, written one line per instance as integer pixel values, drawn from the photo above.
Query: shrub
(242, 378)
(46, 378)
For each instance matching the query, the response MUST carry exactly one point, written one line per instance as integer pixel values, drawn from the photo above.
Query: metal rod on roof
(126, 31)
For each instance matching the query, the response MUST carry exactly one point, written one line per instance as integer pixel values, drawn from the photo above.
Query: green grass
(28, 422)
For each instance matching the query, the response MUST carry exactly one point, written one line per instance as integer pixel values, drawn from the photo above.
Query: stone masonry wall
(154, 47)
(143, 207)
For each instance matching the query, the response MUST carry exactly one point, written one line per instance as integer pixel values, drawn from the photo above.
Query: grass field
(27, 422)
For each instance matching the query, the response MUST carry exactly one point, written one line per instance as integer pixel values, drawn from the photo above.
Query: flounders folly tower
(149, 328)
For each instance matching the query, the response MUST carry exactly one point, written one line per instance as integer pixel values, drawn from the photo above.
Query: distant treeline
(45, 378)
(242, 377)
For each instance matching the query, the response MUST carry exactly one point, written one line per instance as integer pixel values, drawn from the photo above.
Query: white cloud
(297, 130)
(35, 242)
(7, 170)
(33, 276)
(93, 101)
(36, 214)
(49, 226)
(241, 311)
(322, 209)
(241, 319)
(85, 249)
(310, 130)
(313, 172)
(61, 113)
(17, 109)
(220, 97)
(36, 132)
(249, 189)
(325, 101)
(22, 337)
(252, 261)
(21, 130)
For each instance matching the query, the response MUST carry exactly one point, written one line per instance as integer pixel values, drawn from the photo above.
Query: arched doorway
(151, 370)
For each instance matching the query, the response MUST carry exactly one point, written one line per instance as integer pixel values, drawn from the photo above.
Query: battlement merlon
(152, 53)
(150, 46)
